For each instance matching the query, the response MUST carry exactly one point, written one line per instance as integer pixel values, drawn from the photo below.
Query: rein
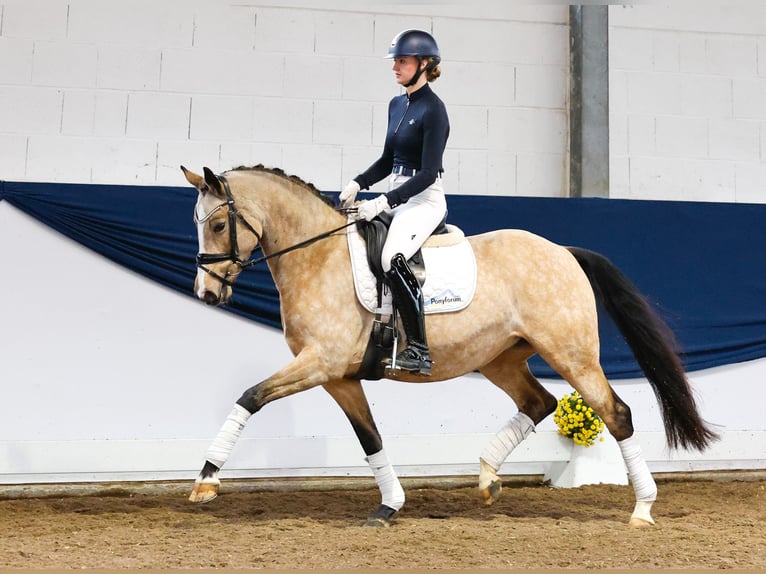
(203, 259)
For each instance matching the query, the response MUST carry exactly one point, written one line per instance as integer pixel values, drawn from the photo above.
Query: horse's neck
(290, 217)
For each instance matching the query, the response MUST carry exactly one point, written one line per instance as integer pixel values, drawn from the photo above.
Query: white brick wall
(688, 102)
(144, 85)
(123, 92)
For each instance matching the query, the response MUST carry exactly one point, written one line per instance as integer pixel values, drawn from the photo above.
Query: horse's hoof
(203, 492)
(642, 515)
(377, 522)
(492, 492)
(381, 517)
(639, 523)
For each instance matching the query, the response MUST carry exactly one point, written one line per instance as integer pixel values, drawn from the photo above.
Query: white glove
(348, 195)
(369, 209)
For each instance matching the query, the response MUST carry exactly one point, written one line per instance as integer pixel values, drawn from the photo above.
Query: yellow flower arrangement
(577, 420)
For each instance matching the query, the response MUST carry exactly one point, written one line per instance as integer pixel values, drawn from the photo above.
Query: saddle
(384, 330)
(374, 234)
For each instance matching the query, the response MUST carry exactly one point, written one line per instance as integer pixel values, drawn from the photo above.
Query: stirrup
(410, 360)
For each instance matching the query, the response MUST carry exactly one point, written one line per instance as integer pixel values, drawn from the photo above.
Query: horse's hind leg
(510, 372)
(590, 382)
(350, 397)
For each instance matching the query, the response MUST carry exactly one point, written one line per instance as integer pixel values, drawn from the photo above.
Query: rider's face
(404, 68)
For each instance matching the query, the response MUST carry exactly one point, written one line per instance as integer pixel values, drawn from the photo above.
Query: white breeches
(413, 221)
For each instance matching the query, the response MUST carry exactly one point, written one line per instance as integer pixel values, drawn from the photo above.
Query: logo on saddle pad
(450, 272)
(445, 298)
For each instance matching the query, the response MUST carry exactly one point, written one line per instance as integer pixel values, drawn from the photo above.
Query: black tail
(654, 347)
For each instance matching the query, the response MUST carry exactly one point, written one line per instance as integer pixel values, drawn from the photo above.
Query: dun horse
(532, 297)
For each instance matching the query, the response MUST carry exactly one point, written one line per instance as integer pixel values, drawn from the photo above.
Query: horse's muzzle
(211, 298)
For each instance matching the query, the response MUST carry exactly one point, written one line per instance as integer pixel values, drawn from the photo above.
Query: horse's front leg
(350, 396)
(302, 373)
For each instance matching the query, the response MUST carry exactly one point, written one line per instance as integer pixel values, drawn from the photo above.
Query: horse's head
(221, 252)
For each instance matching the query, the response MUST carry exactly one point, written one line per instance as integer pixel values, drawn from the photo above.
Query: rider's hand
(348, 195)
(369, 209)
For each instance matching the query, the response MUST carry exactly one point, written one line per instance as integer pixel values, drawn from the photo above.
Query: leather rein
(205, 259)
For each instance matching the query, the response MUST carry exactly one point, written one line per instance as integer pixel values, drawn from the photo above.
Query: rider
(418, 128)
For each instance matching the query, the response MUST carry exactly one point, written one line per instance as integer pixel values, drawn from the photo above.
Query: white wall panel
(64, 64)
(534, 176)
(339, 122)
(144, 23)
(734, 139)
(219, 118)
(163, 116)
(170, 155)
(16, 60)
(542, 86)
(345, 33)
(750, 182)
(313, 77)
(322, 162)
(677, 136)
(733, 17)
(690, 84)
(501, 178)
(316, 73)
(26, 110)
(749, 94)
(677, 179)
(79, 113)
(272, 25)
(128, 68)
(469, 127)
(285, 120)
(707, 96)
(528, 130)
(37, 19)
(13, 155)
(219, 25)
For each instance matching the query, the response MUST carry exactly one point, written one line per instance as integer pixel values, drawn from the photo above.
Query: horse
(532, 297)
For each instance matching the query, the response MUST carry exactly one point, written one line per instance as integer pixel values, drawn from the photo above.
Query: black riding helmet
(415, 43)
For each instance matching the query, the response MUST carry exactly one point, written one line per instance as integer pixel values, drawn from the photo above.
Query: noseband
(204, 259)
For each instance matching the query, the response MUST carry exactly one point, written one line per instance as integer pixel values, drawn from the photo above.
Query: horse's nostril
(210, 298)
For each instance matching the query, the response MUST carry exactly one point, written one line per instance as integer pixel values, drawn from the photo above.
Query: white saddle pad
(450, 272)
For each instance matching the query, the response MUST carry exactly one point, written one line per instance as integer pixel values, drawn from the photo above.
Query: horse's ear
(213, 183)
(195, 179)
(204, 184)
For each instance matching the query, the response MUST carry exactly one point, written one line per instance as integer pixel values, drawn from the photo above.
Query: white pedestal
(600, 463)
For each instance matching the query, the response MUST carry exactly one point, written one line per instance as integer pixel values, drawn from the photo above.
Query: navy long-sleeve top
(418, 128)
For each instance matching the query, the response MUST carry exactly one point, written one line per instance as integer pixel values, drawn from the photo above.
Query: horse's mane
(293, 178)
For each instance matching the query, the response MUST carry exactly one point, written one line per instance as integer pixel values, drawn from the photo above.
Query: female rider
(418, 128)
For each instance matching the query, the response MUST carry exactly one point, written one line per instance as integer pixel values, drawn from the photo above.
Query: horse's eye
(218, 227)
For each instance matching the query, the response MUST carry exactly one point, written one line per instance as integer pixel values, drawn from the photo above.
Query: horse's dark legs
(509, 372)
(350, 397)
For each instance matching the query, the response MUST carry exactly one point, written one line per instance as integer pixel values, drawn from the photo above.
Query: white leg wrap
(506, 439)
(392, 494)
(219, 451)
(638, 470)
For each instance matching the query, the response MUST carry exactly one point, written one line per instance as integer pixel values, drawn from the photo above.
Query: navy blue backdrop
(702, 265)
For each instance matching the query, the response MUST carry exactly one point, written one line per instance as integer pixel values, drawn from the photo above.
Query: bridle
(204, 259)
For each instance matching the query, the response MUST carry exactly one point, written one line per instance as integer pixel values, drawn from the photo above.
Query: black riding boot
(408, 298)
